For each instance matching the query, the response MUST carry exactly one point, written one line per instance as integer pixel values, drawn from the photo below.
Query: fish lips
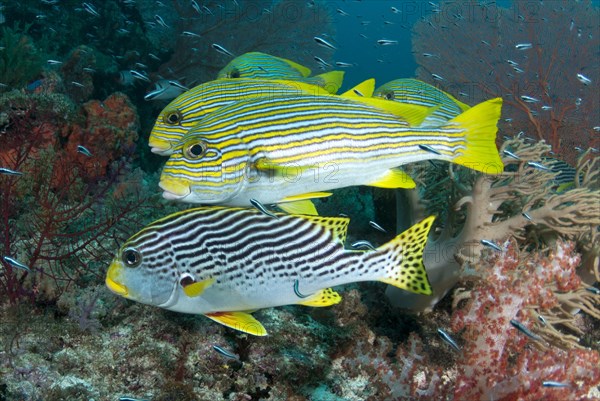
(160, 147)
(173, 189)
(162, 151)
(113, 280)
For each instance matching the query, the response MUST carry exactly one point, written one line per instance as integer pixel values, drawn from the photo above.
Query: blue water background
(384, 63)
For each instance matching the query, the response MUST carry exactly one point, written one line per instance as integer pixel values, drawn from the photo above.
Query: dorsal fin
(338, 226)
(306, 87)
(363, 89)
(411, 113)
(305, 71)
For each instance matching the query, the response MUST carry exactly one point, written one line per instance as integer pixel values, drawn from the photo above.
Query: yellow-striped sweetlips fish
(413, 91)
(264, 66)
(223, 262)
(189, 108)
(280, 150)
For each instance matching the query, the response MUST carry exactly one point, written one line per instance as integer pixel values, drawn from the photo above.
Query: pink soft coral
(498, 361)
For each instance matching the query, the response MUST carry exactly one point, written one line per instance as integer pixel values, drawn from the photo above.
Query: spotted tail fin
(402, 259)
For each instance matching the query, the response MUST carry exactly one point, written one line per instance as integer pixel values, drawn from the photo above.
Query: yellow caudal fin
(480, 125)
(241, 321)
(331, 81)
(363, 89)
(404, 258)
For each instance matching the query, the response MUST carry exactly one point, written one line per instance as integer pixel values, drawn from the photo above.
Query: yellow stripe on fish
(222, 262)
(276, 148)
(264, 66)
(189, 108)
(413, 91)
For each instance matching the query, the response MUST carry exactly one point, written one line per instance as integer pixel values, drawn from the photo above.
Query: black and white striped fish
(223, 262)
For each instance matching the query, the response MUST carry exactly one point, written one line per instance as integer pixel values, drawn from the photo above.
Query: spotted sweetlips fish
(226, 262)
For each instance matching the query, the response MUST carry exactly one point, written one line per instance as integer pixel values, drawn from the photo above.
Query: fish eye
(195, 150)
(388, 95)
(172, 118)
(235, 73)
(131, 257)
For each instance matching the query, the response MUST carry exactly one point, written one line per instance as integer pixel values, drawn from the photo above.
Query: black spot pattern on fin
(405, 257)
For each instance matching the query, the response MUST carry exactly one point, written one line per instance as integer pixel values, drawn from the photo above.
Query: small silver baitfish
(15, 263)
(324, 43)
(519, 326)
(7, 171)
(446, 337)
(84, 151)
(222, 50)
(223, 262)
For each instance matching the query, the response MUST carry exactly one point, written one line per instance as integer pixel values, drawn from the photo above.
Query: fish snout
(174, 189)
(160, 147)
(113, 278)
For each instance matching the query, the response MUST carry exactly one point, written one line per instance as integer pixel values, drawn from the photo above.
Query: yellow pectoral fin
(240, 321)
(196, 289)
(394, 178)
(325, 297)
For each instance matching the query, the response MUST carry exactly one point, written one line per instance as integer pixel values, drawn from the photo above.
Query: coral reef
(538, 291)
(109, 132)
(60, 214)
(20, 60)
(484, 50)
(523, 201)
(64, 212)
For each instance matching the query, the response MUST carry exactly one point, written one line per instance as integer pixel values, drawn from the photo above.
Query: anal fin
(394, 178)
(324, 297)
(240, 321)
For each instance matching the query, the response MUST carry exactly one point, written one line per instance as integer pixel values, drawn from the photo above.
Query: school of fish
(268, 132)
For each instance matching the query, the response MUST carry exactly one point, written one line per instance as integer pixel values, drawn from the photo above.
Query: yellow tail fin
(404, 255)
(479, 123)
